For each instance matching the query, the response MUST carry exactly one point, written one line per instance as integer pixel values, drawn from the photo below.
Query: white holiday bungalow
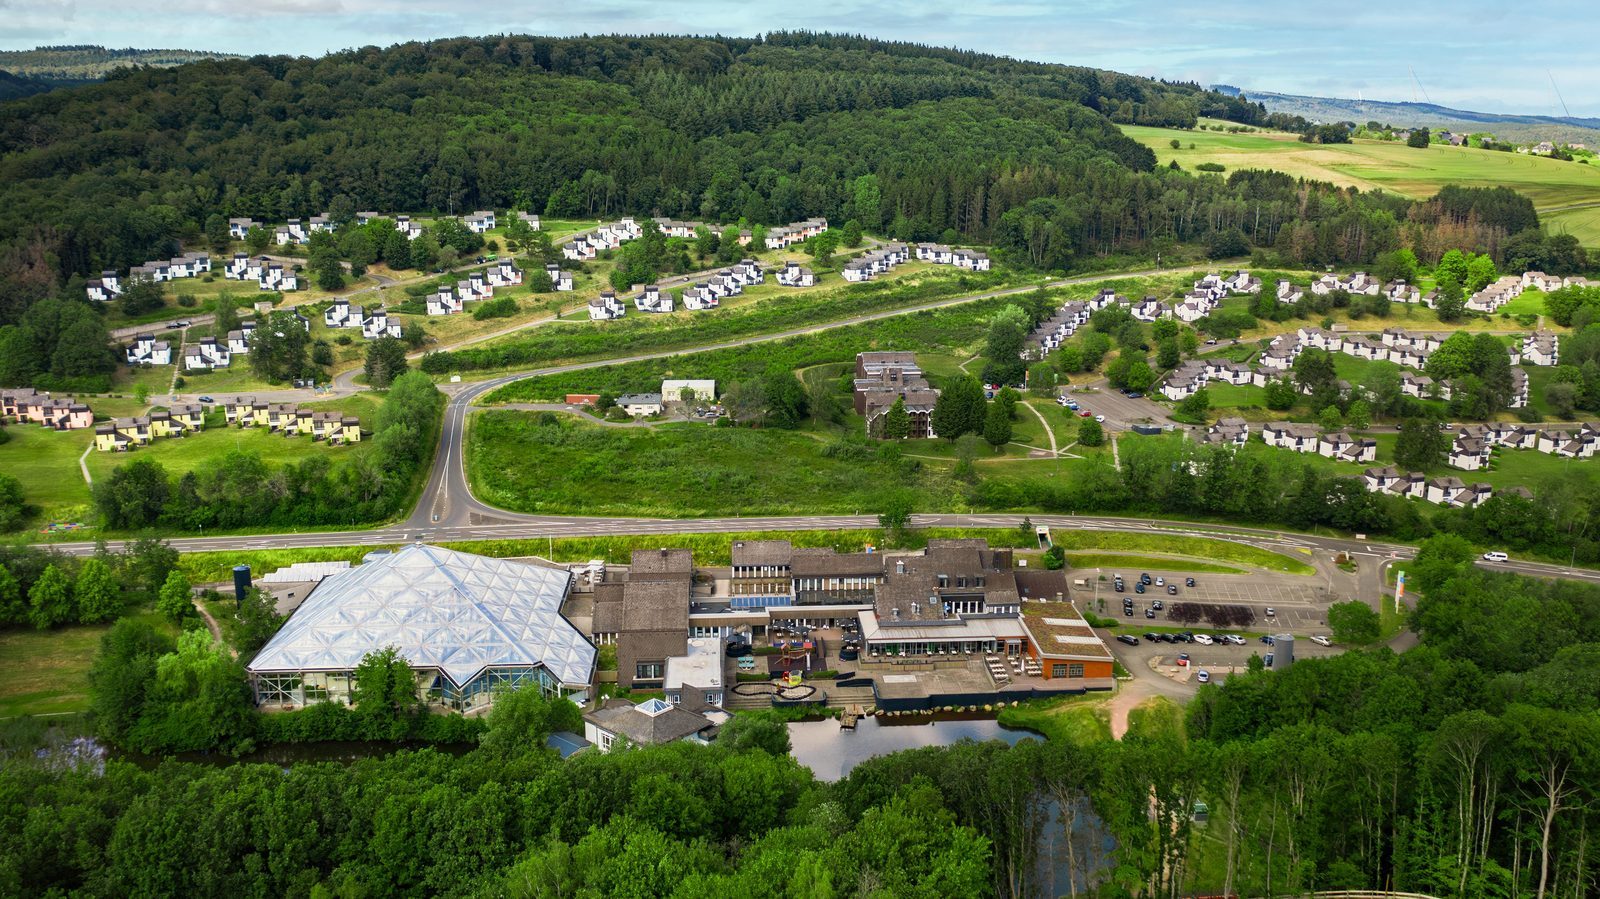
(444, 302)
(147, 350)
(239, 228)
(406, 226)
(559, 279)
(1289, 292)
(504, 273)
(795, 275)
(654, 299)
(698, 297)
(531, 219)
(606, 306)
(205, 355)
(481, 222)
(341, 315)
(378, 324)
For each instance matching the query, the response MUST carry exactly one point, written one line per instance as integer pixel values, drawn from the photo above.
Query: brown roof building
(884, 377)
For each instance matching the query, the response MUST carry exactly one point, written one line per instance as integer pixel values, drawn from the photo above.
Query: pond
(830, 752)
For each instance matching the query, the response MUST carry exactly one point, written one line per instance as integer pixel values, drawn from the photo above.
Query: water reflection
(830, 752)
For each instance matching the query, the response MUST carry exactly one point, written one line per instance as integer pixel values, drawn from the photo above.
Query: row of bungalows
(1548, 283)
(606, 237)
(1306, 438)
(788, 235)
(939, 254)
(292, 421)
(706, 294)
(299, 232)
(109, 285)
(1492, 297)
(793, 274)
(374, 324)
(1190, 376)
(1393, 345)
(1541, 348)
(1474, 443)
(1210, 291)
(126, 433)
(146, 349)
(1358, 284)
(1074, 314)
(1447, 491)
(25, 405)
(1229, 431)
(686, 230)
(448, 300)
(876, 262)
(267, 274)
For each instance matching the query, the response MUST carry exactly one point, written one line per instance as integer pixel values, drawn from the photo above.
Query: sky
(1470, 54)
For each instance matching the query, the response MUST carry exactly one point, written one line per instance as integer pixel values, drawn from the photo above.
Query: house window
(1074, 671)
(1058, 671)
(648, 671)
(605, 742)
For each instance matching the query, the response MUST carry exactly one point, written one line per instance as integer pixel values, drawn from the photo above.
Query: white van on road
(1496, 557)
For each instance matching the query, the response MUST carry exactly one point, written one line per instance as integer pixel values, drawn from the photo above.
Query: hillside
(13, 87)
(1506, 126)
(766, 130)
(87, 62)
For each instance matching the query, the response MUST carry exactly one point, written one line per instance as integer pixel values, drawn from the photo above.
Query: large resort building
(466, 624)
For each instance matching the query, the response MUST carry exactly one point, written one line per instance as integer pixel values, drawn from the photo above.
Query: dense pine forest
(914, 141)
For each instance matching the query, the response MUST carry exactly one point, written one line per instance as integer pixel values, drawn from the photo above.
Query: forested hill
(766, 129)
(86, 62)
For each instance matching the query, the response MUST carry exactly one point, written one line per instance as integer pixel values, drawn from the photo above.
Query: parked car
(1235, 639)
(1496, 557)
(1202, 639)
(1127, 611)
(1172, 589)
(1268, 660)
(1138, 588)
(207, 400)
(1149, 613)
(1128, 639)
(1100, 418)
(1203, 676)
(1271, 612)
(1183, 657)
(1152, 637)
(1161, 582)
(1267, 639)
(1117, 586)
(1188, 582)
(1085, 413)
(1158, 605)
(1320, 640)
(1144, 578)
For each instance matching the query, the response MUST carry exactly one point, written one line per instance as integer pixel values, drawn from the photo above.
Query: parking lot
(1299, 604)
(1217, 660)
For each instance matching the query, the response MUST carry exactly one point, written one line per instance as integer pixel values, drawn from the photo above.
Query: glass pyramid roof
(453, 611)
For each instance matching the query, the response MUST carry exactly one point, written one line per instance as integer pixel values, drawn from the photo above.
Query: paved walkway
(1048, 431)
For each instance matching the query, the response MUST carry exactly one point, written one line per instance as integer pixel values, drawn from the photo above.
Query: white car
(1321, 640)
(1203, 639)
(1235, 639)
(1496, 557)
(1203, 676)
(1100, 419)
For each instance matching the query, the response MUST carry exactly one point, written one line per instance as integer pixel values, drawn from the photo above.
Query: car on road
(1100, 418)
(207, 400)
(1129, 639)
(1172, 589)
(1188, 582)
(1211, 342)
(173, 326)
(1203, 676)
(1320, 640)
(1496, 557)
(1268, 639)
(1202, 639)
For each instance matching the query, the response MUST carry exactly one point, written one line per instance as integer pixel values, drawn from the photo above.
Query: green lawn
(51, 668)
(181, 454)
(1177, 544)
(46, 462)
(1369, 165)
(1117, 560)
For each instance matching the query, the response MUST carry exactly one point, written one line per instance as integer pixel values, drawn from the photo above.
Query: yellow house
(240, 411)
(188, 417)
(136, 430)
(106, 439)
(280, 417)
(161, 425)
(349, 429)
(305, 422)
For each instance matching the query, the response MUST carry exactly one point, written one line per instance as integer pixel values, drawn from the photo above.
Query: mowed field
(1571, 191)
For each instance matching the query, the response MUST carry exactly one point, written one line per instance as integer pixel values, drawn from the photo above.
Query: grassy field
(179, 455)
(51, 673)
(1077, 719)
(1177, 544)
(46, 462)
(1392, 166)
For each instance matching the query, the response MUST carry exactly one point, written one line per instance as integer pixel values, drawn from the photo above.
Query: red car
(1083, 413)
